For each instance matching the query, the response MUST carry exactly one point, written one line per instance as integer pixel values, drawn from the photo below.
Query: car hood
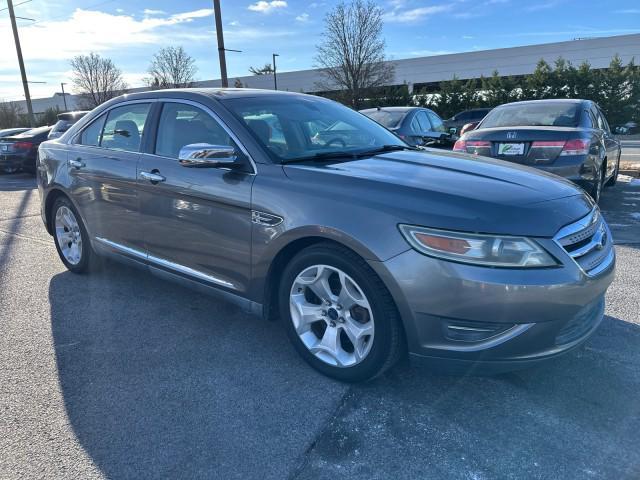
(451, 191)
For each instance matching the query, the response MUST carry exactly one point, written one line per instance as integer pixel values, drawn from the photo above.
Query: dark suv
(365, 250)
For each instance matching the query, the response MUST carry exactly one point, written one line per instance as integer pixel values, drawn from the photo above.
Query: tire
(596, 188)
(375, 318)
(614, 178)
(67, 225)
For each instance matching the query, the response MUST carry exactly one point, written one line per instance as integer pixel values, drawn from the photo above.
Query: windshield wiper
(385, 148)
(337, 154)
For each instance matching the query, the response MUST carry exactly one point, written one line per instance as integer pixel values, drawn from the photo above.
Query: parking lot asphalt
(122, 375)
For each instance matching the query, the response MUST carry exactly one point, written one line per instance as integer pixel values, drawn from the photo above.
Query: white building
(423, 71)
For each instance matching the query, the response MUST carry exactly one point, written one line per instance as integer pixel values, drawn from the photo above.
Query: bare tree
(10, 115)
(96, 79)
(352, 54)
(172, 67)
(266, 70)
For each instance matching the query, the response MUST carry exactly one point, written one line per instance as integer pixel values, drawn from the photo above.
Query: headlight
(490, 250)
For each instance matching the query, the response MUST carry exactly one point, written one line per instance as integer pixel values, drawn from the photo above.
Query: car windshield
(298, 127)
(533, 114)
(386, 118)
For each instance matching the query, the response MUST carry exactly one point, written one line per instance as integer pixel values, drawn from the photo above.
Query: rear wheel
(614, 178)
(596, 188)
(339, 315)
(70, 236)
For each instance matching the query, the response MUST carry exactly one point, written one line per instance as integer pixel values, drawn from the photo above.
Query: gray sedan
(365, 251)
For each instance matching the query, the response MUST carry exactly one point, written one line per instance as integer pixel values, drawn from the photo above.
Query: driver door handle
(77, 163)
(154, 177)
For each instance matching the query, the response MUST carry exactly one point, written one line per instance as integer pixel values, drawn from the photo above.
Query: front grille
(588, 242)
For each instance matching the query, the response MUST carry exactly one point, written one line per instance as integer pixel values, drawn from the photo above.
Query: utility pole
(221, 50)
(64, 97)
(275, 77)
(25, 84)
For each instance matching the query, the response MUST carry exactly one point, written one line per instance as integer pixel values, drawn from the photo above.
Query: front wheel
(339, 315)
(71, 238)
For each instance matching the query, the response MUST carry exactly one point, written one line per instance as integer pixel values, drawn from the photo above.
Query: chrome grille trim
(588, 242)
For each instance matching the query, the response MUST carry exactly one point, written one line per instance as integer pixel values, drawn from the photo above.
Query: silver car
(366, 251)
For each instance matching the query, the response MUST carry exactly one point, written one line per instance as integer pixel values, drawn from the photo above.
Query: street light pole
(23, 73)
(275, 76)
(64, 97)
(221, 50)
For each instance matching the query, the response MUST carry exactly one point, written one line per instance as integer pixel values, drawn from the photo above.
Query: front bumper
(494, 318)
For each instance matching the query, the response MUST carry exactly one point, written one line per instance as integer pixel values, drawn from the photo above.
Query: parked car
(570, 138)
(65, 120)
(415, 125)
(454, 124)
(629, 128)
(6, 132)
(18, 152)
(364, 252)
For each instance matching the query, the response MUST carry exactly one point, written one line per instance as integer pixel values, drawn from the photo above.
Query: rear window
(533, 114)
(386, 118)
(62, 125)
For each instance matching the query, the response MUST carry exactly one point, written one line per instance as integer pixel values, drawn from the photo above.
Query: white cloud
(87, 31)
(151, 11)
(399, 14)
(467, 37)
(303, 17)
(267, 7)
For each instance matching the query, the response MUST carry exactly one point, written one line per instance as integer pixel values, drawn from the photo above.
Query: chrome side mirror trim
(205, 155)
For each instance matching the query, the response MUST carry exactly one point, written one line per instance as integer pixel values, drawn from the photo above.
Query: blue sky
(130, 31)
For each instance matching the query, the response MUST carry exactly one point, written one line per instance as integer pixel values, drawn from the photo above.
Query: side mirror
(453, 130)
(204, 155)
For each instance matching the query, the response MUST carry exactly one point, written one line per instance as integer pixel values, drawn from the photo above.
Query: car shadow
(159, 381)
(573, 417)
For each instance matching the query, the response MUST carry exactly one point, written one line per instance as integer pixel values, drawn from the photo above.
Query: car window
(302, 127)
(591, 121)
(602, 121)
(415, 125)
(181, 124)
(124, 127)
(425, 125)
(463, 117)
(436, 122)
(387, 118)
(477, 115)
(91, 134)
(543, 114)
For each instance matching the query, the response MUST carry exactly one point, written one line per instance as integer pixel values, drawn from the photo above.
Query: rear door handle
(77, 163)
(153, 176)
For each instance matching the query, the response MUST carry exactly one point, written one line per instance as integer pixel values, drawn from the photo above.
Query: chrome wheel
(331, 315)
(68, 235)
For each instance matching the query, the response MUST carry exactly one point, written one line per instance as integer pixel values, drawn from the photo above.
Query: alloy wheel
(68, 235)
(332, 316)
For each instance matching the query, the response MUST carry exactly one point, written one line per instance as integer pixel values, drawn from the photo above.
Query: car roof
(72, 115)
(546, 100)
(215, 93)
(392, 109)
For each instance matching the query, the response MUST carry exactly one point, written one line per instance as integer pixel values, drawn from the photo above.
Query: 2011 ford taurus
(366, 249)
